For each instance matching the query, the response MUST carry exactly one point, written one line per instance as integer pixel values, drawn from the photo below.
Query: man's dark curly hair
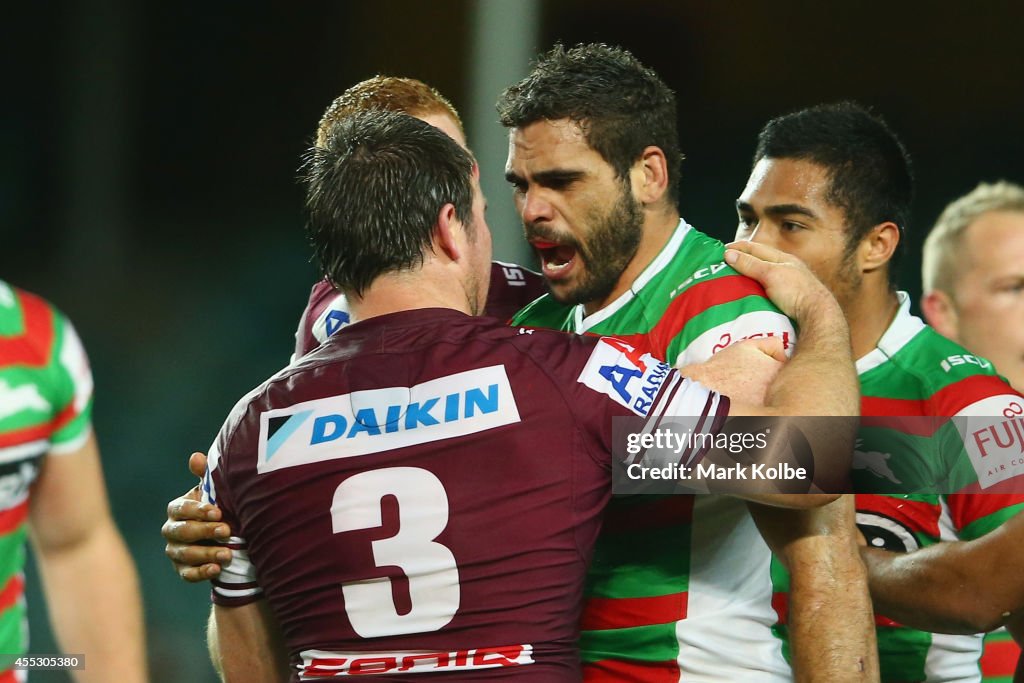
(621, 105)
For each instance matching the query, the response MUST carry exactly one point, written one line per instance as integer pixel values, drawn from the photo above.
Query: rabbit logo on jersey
(622, 372)
(376, 420)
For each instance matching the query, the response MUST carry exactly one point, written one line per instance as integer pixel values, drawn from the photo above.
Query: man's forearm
(92, 591)
(939, 588)
(246, 644)
(831, 625)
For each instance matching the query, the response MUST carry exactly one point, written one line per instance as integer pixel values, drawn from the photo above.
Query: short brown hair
(943, 242)
(385, 93)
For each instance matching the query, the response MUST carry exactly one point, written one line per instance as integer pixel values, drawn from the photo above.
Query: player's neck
(396, 292)
(657, 231)
(870, 313)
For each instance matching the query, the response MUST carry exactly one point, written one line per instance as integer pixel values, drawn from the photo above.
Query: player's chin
(564, 292)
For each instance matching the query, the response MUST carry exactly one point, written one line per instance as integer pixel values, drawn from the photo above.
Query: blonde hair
(385, 93)
(938, 266)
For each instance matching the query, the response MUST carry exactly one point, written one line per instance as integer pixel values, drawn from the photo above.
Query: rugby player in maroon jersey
(453, 534)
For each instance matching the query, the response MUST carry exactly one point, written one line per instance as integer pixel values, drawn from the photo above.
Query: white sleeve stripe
(239, 571)
(71, 446)
(231, 593)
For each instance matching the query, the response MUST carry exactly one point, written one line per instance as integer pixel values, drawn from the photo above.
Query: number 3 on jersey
(430, 567)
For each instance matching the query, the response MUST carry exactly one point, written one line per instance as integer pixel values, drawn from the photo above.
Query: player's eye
(747, 222)
(790, 226)
(1015, 287)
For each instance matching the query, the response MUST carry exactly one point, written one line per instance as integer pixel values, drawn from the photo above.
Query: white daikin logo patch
(377, 420)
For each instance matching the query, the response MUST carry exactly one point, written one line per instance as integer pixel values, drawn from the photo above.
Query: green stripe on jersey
(902, 653)
(983, 525)
(641, 563)
(655, 643)
(12, 633)
(12, 553)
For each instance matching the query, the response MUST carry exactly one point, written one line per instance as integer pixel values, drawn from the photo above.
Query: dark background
(147, 176)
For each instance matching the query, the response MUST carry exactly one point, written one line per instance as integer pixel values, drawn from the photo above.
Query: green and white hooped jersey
(45, 404)
(916, 373)
(679, 587)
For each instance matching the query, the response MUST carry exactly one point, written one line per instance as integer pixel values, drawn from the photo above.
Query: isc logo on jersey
(364, 422)
(631, 378)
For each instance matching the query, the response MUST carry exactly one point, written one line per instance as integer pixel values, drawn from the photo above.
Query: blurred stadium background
(147, 174)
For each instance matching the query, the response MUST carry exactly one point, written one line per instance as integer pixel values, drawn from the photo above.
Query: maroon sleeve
(512, 287)
(324, 302)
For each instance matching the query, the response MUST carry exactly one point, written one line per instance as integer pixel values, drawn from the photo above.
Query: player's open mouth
(556, 260)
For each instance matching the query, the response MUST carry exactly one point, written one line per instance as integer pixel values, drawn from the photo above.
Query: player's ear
(878, 246)
(446, 231)
(940, 312)
(649, 176)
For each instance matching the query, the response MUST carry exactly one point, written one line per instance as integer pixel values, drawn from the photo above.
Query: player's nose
(536, 207)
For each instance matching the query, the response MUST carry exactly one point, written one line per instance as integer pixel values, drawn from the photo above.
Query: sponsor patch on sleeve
(993, 433)
(629, 377)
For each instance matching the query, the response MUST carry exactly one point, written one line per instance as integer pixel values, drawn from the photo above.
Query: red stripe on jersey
(615, 671)
(965, 509)
(37, 432)
(12, 518)
(660, 513)
(780, 603)
(604, 613)
(38, 328)
(999, 658)
(873, 411)
(12, 591)
(8, 677)
(954, 398)
(946, 402)
(25, 435)
(916, 514)
(697, 299)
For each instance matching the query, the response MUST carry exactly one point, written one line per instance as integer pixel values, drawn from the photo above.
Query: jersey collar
(903, 328)
(667, 254)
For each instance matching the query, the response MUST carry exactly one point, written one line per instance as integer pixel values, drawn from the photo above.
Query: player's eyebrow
(552, 178)
(777, 209)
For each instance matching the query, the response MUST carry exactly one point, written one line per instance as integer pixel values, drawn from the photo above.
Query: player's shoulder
(937, 361)
(544, 311)
(926, 366)
(33, 323)
(699, 262)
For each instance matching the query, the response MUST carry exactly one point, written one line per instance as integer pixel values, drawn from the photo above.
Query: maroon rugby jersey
(512, 287)
(422, 493)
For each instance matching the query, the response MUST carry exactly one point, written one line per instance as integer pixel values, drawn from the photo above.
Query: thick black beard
(608, 250)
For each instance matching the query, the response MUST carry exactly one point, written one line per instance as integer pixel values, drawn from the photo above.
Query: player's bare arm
(191, 528)
(91, 584)
(246, 644)
(818, 545)
(953, 587)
